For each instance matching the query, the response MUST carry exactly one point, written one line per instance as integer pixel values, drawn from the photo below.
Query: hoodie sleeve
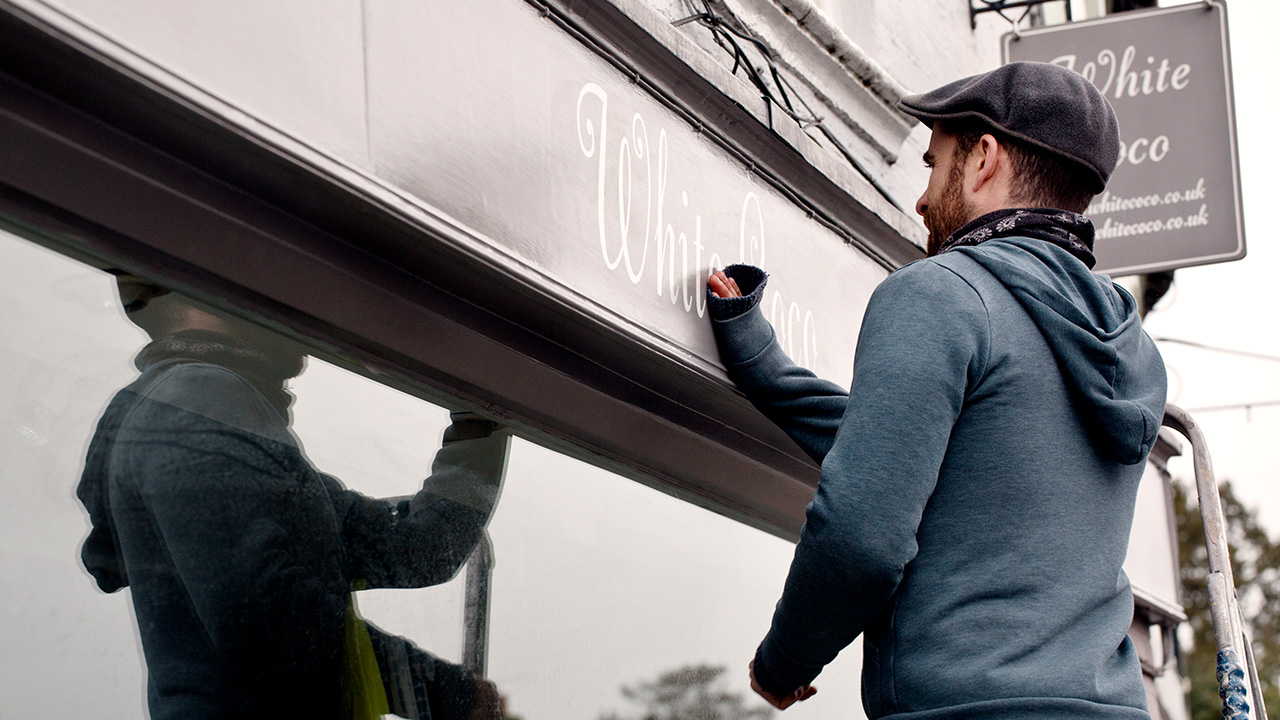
(807, 407)
(428, 538)
(923, 344)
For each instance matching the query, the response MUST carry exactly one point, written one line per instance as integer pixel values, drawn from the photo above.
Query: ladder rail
(1228, 622)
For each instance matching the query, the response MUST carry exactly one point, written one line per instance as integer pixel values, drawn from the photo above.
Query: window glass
(602, 585)
(202, 515)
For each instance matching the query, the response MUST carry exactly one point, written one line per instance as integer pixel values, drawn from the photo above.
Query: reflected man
(240, 556)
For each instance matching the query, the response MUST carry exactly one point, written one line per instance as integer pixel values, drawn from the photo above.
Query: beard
(950, 213)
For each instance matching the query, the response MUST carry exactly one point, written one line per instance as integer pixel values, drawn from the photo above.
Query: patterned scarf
(1070, 231)
(265, 371)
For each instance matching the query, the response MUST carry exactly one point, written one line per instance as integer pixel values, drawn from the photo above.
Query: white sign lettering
(1129, 82)
(640, 171)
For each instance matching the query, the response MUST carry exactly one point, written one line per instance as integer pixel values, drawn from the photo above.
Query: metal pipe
(475, 615)
(1224, 608)
(1254, 684)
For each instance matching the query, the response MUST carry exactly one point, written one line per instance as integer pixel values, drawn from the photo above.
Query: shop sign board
(572, 169)
(1174, 199)
(555, 163)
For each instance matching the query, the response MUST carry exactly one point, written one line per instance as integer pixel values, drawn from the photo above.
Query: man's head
(161, 312)
(158, 310)
(1023, 135)
(944, 204)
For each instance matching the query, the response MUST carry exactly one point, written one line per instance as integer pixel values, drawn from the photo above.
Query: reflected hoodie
(977, 491)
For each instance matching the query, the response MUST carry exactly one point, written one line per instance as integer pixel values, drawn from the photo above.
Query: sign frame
(1213, 250)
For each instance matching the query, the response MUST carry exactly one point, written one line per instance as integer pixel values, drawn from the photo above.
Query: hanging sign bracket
(977, 7)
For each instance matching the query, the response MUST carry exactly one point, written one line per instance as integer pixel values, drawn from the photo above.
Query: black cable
(1215, 348)
(663, 96)
(1234, 406)
(839, 146)
(1230, 351)
(726, 35)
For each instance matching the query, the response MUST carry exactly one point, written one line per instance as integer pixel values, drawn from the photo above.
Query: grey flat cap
(1046, 105)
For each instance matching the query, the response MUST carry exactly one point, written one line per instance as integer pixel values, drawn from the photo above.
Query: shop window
(178, 537)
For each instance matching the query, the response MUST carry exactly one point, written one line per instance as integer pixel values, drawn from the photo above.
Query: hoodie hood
(101, 550)
(1115, 373)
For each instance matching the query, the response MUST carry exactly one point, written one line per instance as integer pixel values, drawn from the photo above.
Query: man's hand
(723, 285)
(488, 704)
(801, 694)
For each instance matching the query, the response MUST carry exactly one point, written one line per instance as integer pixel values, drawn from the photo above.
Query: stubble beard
(950, 213)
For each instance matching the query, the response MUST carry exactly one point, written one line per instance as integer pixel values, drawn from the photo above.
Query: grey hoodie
(978, 486)
(240, 555)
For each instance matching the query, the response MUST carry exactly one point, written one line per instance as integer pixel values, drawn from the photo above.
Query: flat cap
(1045, 105)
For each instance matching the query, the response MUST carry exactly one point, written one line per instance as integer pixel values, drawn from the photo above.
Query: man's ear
(988, 159)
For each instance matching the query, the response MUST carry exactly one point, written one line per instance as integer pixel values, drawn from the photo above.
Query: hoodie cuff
(768, 679)
(751, 281)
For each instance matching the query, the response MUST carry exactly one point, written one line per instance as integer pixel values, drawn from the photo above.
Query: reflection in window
(241, 557)
(602, 585)
(694, 691)
(228, 493)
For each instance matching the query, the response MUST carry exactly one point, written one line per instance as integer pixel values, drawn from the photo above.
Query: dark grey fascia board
(641, 42)
(113, 166)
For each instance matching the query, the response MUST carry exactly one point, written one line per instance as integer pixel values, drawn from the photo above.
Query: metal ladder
(1239, 701)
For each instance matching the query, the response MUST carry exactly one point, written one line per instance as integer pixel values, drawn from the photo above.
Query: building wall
(612, 567)
(940, 48)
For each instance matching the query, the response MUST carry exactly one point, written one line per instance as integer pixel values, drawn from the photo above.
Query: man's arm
(923, 343)
(807, 407)
(425, 540)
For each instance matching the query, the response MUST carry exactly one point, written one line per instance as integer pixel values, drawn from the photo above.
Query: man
(979, 479)
(241, 557)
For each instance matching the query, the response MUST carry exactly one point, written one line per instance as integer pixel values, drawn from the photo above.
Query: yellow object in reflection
(363, 696)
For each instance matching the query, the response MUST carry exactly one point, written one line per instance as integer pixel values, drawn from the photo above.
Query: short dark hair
(1040, 178)
(154, 308)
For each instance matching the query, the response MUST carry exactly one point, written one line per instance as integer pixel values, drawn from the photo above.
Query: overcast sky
(1234, 305)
